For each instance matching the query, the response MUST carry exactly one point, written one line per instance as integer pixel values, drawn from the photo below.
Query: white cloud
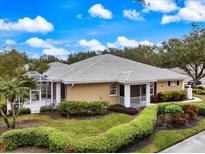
(133, 15)
(10, 42)
(123, 41)
(164, 6)
(57, 52)
(79, 16)
(39, 43)
(192, 11)
(36, 25)
(92, 44)
(98, 10)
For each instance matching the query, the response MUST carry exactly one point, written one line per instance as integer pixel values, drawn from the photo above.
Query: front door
(143, 94)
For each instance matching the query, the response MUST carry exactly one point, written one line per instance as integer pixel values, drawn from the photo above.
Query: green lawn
(165, 138)
(80, 128)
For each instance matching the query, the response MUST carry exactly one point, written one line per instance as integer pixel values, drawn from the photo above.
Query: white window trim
(110, 90)
(173, 83)
(152, 87)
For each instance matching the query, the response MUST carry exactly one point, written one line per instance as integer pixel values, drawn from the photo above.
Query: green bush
(46, 108)
(25, 111)
(173, 110)
(110, 141)
(201, 110)
(171, 96)
(41, 137)
(199, 91)
(67, 108)
(122, 109)
(58, 142)
(22, 111)
(117, 137)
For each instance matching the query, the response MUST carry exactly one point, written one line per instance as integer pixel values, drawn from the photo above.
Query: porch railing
(135, 101)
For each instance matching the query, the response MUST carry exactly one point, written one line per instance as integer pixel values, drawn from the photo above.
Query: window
(113, 89)
(173, 83)
(151, 88)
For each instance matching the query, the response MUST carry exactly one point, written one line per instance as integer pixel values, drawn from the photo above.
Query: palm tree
(12, 90)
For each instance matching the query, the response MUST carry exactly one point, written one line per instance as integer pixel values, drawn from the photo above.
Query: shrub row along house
(106, 77)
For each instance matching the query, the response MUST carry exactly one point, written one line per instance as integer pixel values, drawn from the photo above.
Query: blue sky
(60, 27)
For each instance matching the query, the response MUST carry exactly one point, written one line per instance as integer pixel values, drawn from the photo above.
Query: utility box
(189, 92)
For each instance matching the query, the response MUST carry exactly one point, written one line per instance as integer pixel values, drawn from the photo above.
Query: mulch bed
(24, 124)
(30, 150)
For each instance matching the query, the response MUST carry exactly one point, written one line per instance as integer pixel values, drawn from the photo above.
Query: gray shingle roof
(109, 68)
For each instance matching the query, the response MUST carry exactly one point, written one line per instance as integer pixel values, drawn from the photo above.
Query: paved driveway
(194, 144)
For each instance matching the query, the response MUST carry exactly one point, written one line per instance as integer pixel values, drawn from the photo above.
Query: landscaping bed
(25, 124)
(157, 141)
(30, 150)
(115, 138)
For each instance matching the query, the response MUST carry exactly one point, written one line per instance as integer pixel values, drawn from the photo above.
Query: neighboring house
(188, 79)
(105, 77)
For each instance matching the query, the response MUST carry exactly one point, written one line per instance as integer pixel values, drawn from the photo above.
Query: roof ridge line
(88, 67)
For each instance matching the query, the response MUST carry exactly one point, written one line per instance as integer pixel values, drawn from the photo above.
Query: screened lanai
(44, 92)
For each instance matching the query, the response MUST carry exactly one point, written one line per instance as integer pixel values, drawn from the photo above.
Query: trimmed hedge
(67, 108)
(168, 96)
(122, 109)
(45, 137)
(117, 137)
(110, 141)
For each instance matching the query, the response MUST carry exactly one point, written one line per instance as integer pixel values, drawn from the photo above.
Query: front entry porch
(135, 95)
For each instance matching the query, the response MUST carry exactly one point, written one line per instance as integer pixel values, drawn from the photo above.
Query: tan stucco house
(105, 77)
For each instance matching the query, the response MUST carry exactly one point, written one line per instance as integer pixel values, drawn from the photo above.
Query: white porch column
(58, 92)
(127, 95)
(52, 93)
(148, 94)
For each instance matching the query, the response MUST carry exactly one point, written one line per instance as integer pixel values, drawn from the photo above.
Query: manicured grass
(165, 138)
(80, 128)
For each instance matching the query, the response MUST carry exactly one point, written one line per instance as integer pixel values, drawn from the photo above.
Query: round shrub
(67, 108)
(173, 109)
(22, 111)
(25, 111)
(201, 110)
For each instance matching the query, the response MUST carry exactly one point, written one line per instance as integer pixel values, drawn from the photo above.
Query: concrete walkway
(194, 144)
(195, 99)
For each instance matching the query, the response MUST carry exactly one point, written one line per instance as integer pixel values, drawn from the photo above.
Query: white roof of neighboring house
(109, 68)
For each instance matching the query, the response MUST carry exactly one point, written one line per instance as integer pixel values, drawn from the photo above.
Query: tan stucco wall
(163, 86)
(91, 92)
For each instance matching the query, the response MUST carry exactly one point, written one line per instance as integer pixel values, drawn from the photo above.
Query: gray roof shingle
(109, 68)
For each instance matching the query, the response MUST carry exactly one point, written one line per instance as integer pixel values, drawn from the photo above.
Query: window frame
(152, 87)
(113, 87)
(173, 83)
